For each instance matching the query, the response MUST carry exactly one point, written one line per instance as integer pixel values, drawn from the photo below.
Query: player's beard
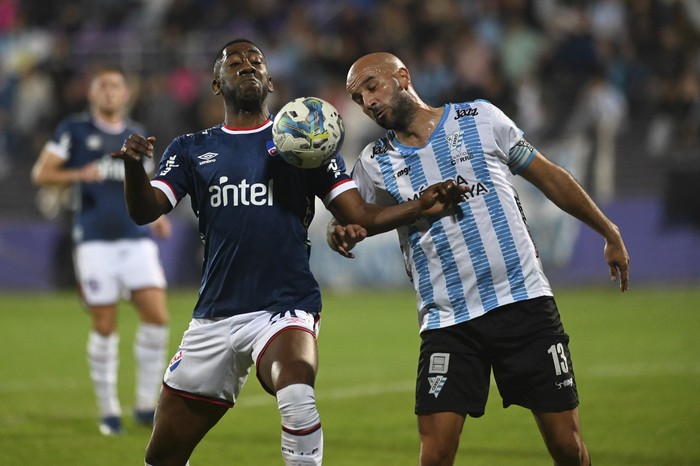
(401, 112)
(245, 98)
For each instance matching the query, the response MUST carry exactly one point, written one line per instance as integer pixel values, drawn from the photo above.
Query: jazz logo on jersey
(436, 384)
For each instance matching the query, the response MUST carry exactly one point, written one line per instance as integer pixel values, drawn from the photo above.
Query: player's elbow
(140, 216)
(37, 177)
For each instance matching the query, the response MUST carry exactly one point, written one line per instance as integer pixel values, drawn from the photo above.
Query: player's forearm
(141, 200)
(570, 197)
(379, 219)
(55, 178)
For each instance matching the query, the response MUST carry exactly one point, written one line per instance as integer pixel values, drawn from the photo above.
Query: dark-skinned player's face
(243, 79)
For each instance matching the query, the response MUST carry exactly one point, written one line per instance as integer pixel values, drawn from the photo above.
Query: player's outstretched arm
(144, 202)
(437, 200)
(561, 188)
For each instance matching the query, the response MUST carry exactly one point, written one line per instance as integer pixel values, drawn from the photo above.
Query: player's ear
(216, 87)
(404, 78)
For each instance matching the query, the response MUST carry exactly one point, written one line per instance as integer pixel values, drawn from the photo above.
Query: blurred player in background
(483, 300)
(113, 256)
(259, 303)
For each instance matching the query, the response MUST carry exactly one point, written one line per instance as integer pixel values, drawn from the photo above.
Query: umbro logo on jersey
(436, 384)
(466, 112)
(209, 157)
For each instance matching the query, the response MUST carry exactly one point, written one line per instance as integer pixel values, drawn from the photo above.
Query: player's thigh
(559, 427)
(104, 319)
(285, 351)
(95, 266)
(532, 362)
(150, 303)
(180, 424)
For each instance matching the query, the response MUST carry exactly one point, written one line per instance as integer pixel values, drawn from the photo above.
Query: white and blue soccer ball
(307, 132)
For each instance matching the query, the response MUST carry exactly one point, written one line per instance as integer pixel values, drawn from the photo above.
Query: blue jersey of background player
(100, 212)
(112, 254)
(254, 210)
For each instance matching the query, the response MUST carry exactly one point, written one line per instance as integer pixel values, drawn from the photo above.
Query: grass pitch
(635, 355)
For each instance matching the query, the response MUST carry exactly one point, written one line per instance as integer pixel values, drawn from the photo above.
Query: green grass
(637, 361)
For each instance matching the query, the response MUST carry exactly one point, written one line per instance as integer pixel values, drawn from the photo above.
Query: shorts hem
(194, 396)
(544, 409)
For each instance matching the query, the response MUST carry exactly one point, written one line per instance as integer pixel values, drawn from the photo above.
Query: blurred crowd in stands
(555, 66)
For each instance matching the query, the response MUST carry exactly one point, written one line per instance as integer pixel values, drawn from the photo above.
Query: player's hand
(441, 198)
(618, 260)
(90, 173)
(161, 227)
(343, 238)
(135, 147)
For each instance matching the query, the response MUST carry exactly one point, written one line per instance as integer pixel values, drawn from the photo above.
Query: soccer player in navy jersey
(484, 302)
(258, 302)
(113, 256)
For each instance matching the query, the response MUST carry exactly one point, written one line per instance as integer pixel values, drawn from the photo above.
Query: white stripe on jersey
(464, 265)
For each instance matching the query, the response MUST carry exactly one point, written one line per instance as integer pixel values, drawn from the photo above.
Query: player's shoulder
(375, 149)
(133, 126)
(198, 137)
(75, 120)
(473, 107)
(191, 146)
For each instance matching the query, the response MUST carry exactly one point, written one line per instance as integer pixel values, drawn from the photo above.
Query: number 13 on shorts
(558, 354)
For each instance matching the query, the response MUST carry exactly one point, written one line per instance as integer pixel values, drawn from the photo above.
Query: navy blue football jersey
(101, 212)
(254, 210)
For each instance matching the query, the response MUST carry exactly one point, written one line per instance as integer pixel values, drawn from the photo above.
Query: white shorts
(215, 356)
(108, 270)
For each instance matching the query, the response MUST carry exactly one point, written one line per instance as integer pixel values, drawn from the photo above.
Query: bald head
(379, 62)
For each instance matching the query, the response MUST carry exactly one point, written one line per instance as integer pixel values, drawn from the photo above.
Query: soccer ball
(307, 132)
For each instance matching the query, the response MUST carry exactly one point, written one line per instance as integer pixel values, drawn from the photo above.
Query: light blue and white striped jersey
(467, 264)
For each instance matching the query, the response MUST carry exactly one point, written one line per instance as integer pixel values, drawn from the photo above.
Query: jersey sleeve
(363, 181)
(61, 141)
(368, 178)
(173, 172)
(332, 180)
(515, 151)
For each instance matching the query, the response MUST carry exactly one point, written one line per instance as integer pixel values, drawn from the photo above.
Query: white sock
(103, 360)
(186, 464)
(150, 351)
(302, 436)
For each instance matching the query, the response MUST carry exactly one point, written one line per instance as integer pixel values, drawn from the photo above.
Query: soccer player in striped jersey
(113, 256)
(484, 302)
(259, 303)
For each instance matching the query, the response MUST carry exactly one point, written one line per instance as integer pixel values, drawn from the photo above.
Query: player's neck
(245, 119)
(110, 122)
(422, 126)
